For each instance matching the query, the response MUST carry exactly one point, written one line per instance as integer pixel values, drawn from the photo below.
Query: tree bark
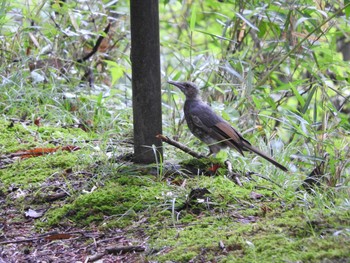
(146, 87)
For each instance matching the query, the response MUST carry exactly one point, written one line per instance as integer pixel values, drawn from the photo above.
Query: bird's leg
(213, 150)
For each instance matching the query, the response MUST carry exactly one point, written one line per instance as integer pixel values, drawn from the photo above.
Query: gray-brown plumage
(210, 128)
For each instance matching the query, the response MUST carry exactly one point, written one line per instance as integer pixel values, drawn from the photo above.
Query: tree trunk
(146, 87)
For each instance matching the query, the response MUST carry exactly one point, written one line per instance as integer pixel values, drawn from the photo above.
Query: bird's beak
(176, 84)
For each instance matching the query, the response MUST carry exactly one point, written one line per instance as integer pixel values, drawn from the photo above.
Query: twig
(46, 236)
(19, 241)
(117, 250)
(56, 196)
(95, 257)
(232, 174)
(179, 146)
(97, 45)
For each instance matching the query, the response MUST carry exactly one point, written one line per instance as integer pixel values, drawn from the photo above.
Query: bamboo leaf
(247, 21)
(298, 96)
(308, 100)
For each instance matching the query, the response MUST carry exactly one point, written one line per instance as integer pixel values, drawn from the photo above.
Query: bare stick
(179, 146)
(97, 45)
(232, 174)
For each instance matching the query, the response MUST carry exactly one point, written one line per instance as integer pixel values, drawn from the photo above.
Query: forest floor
(66, 196)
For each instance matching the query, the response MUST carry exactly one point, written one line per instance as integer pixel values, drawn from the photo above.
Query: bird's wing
(197, 120)
(229, 131)
(232, 137)
(202, 115)
(217, 128)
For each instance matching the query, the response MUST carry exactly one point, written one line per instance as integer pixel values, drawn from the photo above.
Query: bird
(212, 129)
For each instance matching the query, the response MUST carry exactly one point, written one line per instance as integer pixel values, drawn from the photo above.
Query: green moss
(58, 133)
(187, 218)
(37, 169)
(281, 247)
(15, 137)
(257, 242)
(121, 202)
(201, 236)
(285, 233)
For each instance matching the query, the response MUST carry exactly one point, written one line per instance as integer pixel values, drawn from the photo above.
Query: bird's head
(188, 88)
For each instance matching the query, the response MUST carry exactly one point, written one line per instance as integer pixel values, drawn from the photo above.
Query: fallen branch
(180, 146)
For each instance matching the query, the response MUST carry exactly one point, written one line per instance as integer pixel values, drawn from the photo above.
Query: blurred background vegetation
(278, 70)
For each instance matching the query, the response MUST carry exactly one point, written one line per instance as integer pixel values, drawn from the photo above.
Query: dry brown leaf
(37, 121)
(59, 236)
(42, 151)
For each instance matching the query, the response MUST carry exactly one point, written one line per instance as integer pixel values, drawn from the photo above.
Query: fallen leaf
(34, 213)
(42, 151)
(37, 121)
(59, 236)
(214, 168)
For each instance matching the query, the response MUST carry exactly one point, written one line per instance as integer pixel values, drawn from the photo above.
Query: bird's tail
(265, 156)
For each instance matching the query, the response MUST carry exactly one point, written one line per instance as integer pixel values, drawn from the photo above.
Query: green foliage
(277, 67)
